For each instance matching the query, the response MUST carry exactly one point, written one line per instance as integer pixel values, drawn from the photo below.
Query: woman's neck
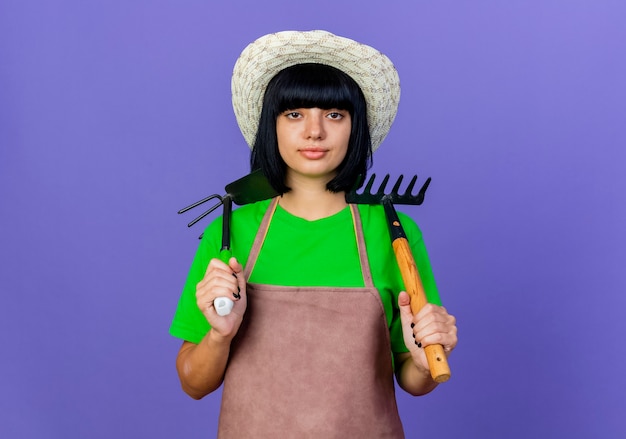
(311, 200)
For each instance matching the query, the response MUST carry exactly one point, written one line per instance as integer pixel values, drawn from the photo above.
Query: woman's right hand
(222, 280)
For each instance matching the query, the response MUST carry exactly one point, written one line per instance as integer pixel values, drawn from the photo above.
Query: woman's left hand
(431, 325)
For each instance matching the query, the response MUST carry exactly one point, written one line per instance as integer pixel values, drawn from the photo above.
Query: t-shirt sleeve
(422, 261)
(189, 323)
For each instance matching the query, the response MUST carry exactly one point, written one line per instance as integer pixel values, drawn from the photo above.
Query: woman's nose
(315, 126)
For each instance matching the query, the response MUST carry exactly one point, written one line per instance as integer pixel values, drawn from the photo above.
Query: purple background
(113, 115)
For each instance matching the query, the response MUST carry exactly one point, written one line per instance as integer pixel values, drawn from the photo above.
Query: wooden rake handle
(437, 360)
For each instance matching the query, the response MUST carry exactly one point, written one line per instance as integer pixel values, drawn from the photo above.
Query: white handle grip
(223, 305)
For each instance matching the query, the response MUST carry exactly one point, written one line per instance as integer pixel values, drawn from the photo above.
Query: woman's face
(313, 142)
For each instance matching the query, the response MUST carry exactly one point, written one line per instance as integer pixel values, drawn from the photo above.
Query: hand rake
(249, 189)
(437, 360)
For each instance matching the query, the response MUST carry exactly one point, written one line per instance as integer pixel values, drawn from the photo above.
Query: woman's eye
(335, 115)
(292, 114)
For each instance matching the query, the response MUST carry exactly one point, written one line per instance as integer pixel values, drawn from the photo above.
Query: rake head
(248, 189)
(220, 201)
(369, 197)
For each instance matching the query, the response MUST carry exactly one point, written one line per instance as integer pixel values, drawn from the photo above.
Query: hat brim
(262, 59)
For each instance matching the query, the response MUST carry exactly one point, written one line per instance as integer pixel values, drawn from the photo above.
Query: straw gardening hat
(265, 57)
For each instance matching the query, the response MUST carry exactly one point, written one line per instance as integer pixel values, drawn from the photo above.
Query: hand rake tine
(198, 203)
(205, 213)
(368, 187)
(396, 187)
(381, 189)
(422, 192)
(409, 188)
(360, 179)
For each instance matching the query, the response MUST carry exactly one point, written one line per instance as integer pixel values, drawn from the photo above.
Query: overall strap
(360, 241)
(259, 238)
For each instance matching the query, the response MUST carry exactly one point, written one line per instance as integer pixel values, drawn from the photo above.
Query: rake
(437, 360)
(248, 189)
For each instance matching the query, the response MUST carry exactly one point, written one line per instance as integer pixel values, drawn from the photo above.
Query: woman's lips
(313, 153)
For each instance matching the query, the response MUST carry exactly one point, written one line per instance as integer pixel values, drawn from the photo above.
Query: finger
(237, 271)
(407, 319)
(216, 269)
(433, 319)
(447, 340)
(443, 333)
(432, 314)
(215, 264)
(217, 283)
(422, 330)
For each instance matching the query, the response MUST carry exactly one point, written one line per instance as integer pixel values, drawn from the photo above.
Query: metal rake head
(245, 190)
(369, 197)
(220, 201)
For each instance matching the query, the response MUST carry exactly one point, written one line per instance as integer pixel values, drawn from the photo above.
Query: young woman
(320, 322)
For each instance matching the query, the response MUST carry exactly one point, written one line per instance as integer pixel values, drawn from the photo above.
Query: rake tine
(360, 179)
(381, 189)
(368, 187)
(204, 214)
(407, 197)
(409, 188)
(396, 187)
(422, 191)
(198, 203)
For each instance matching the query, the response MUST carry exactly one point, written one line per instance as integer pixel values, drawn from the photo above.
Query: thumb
(238, 273)
(235, 265)
(404, 304)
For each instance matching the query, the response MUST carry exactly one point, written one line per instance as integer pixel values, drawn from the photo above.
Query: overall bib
(310, 362)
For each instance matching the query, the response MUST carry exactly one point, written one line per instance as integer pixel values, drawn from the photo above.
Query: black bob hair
(313, 86)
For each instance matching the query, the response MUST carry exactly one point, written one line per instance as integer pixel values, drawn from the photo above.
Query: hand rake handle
(437, 360)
